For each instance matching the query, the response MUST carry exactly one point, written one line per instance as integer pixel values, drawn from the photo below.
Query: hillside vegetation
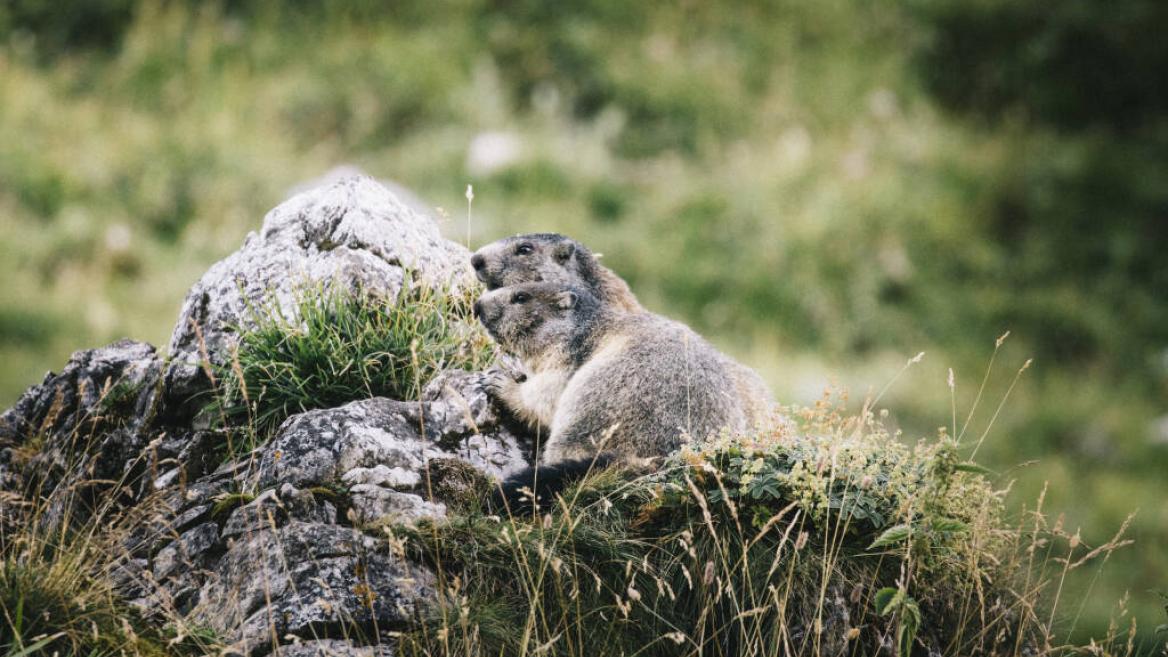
(824, 188)
(822, 532)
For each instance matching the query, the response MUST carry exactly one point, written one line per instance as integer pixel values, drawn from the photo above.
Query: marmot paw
(501, 381)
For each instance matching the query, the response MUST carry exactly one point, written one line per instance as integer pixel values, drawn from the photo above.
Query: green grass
(823, 534)
(833, 537)
(58, 605)
(338, 346)
(59, 554)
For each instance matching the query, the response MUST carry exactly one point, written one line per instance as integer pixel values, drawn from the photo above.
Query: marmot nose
(478, 309)
(478, 261)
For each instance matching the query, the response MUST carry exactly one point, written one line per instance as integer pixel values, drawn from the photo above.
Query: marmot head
(534, 258)
(533, 320)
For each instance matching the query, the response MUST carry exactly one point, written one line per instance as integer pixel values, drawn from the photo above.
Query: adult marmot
(550, 257)
(628, 384)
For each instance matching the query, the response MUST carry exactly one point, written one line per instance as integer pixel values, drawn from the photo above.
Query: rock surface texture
(285, 550)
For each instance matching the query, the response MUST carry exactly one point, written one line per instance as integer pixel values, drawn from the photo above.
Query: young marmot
(629, 384)
(554, 258)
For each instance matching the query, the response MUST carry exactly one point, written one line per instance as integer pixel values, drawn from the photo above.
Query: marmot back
(648, 383)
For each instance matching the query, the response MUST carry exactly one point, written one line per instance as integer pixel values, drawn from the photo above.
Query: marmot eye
(524, 249)
(520, 297)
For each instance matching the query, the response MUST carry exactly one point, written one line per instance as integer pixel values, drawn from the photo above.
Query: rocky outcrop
(287, 549)
(87, 422)
(352, 233)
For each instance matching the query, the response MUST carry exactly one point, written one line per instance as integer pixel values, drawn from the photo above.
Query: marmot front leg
(503, 386)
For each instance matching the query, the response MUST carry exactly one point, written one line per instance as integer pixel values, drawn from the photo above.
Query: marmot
(550, 257)
(630, 384)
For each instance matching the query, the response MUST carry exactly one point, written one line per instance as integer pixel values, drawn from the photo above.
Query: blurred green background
(825, 188)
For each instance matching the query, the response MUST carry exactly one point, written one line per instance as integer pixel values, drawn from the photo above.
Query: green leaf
(905, 635)
(886, 599)
(31, 649)
(970, 466)
(912, 611)
(910, 622)
(892, 535)
(949, 525)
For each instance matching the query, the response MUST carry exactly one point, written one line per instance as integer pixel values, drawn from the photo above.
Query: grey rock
(184, 552)
(189, 517)
(334, 648)
(95, 384)
(311, 581)
(380, 475)
(268, 550)
(381, 439)
(91, 417)
(316, 448)
(379, 448)
(272, 509)
(464, 421)
(352, 233)
(179, 456)
(281, 560)
(343, 171)
(377, 505)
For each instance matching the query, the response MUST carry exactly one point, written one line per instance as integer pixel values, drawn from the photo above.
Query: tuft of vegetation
(339, 345)
(825, 536)
(52, 602)
(59, 558)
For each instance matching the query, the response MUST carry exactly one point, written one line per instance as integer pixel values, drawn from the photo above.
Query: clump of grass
(827, 536)
(341, 345)
(54, 603)
(61, 553)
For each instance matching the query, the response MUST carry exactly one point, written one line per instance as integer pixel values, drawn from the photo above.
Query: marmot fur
(630, 384)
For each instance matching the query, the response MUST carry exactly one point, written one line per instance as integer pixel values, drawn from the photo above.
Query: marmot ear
(564, 251)
(566, 300)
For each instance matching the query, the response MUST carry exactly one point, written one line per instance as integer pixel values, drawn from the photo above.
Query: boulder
(454, 418)
(334, 648)
(352, 233)
(309, 581)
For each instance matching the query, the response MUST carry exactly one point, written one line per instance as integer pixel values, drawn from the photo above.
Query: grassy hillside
(823, 188)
